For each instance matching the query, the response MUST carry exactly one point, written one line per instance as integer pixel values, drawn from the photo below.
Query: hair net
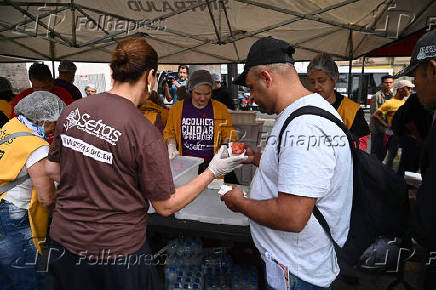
(40, 106)
(324, 62)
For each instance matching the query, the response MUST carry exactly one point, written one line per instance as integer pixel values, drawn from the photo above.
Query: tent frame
(100, 42)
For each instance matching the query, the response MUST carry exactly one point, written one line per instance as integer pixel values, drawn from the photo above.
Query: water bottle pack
(189, 266)
(244, 277)
(183, 264)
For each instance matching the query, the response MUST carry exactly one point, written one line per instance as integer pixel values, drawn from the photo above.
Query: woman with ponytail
(104, 157)
(111, 163)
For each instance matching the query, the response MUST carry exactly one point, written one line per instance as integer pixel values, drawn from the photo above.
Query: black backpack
(380, 198)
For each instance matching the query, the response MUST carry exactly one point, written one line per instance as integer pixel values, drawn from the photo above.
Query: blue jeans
(296, 283)
(18, 254)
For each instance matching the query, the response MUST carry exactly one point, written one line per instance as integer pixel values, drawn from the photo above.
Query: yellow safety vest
(6, 108)
(13, 156)
(152, 110)
(348, 110)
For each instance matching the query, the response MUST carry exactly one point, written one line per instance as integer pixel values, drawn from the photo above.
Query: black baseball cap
(425, 50)
(266, 50)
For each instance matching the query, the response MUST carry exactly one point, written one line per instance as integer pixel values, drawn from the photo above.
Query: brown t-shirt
(112, 161)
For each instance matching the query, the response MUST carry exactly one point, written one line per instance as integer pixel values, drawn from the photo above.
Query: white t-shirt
(309, 166)
(21, 194)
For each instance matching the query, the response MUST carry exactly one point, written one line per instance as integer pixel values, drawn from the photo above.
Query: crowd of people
(89, 168)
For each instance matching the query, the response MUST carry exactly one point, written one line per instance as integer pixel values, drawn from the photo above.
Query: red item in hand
(238, 148)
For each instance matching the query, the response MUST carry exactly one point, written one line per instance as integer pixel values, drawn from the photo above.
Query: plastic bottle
(236, 285)
(180, 279)
(188, 254)
(197, 246)
(172, 247)
(196, 286)
(198, 280)
(180, 249)
(170, 261)
(176, 286)
(170, 276)
(253, 285)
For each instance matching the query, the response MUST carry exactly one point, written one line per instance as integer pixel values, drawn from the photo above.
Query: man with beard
(292, 181)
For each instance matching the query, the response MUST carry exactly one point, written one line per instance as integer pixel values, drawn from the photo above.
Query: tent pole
(52, 54)
(350, 64)
(232, 73)
(52, 67)
(362, 82)
(350, 78)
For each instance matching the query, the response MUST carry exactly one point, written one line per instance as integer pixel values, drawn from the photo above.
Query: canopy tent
(205, 31)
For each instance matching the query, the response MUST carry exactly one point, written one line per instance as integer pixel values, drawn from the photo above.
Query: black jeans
(392, 146)
(377, 147)
(68, 271)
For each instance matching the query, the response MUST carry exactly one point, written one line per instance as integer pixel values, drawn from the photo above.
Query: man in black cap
(423, 68)
(310, 168)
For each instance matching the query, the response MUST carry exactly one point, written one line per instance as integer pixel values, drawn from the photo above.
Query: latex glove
(220, 165)
(172, 151)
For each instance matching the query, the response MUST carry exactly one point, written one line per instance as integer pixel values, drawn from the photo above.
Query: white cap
(403, 83)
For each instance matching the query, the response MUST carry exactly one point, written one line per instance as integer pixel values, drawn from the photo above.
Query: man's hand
(378, 116)
(253, 157)
(168, 96)
(234, 199)
(176, 83)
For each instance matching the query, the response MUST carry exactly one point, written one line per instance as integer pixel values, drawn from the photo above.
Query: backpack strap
(312, 110)
(15, 135)
(18, 181)
(8, 186)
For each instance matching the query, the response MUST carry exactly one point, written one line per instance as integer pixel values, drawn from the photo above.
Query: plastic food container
(208, 208)
(183, 169)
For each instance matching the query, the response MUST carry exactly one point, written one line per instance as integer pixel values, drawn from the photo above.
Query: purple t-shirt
(197, 130)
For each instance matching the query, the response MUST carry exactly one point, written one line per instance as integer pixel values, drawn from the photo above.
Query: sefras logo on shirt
(85, 123)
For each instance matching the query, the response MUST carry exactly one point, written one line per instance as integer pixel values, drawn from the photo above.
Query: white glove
(220, 165)
(172, 151)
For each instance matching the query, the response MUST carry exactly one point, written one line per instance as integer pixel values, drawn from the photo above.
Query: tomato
(238, 148)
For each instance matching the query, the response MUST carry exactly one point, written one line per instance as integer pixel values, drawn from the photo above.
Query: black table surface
(162, 224)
